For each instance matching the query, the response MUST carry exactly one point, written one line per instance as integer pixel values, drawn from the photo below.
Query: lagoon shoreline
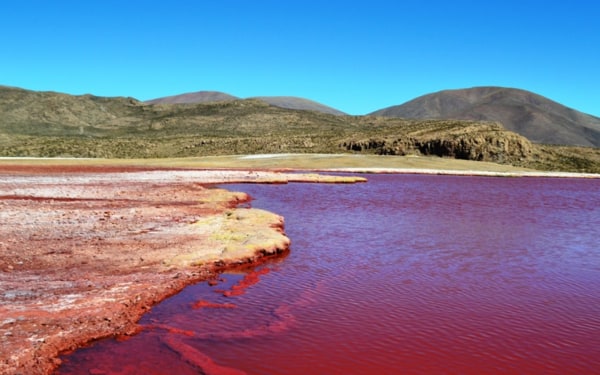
(87, 250)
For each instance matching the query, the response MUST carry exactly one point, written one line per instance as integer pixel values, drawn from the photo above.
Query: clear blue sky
(357, 56)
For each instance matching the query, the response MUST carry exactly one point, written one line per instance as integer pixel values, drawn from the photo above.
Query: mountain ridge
(294, 102)
(538, 118)
(193, 98)
(289, 102)
(50, 124)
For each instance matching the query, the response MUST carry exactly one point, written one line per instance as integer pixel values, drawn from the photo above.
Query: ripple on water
(405, 274)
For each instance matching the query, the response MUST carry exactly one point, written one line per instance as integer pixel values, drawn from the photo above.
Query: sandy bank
(466, 172)
(315, 162)
(84, 253)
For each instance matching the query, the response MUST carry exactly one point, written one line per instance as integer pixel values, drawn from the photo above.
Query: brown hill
(193, 98)
(51, 113)
(292, 102)
(50, 124)
(289, 102)
(539, 119)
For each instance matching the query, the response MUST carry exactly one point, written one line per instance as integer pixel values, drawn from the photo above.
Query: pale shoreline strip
(456, 172)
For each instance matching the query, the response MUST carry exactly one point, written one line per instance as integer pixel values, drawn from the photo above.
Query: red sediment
(213, 282)
(79, 262)
(248, 280)
(196, 358)
(73, 168)
(202, 304)
(171, 329)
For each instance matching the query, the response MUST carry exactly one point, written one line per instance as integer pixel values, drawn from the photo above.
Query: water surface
(406, 274)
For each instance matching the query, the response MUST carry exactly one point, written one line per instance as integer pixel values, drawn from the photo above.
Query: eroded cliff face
(477, 142)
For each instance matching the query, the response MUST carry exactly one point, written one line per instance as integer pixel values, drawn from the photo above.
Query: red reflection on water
(202, 304)
(404, 274)
(170, 329)
(249, 279)
(196, 358)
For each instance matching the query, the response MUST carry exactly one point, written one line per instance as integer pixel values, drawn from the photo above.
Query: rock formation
(477, 142)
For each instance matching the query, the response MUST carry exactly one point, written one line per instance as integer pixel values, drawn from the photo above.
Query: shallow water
(404, 274)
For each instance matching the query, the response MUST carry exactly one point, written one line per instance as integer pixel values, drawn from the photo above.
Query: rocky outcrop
(477, 142)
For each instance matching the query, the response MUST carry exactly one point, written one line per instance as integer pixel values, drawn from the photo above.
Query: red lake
(404, 274)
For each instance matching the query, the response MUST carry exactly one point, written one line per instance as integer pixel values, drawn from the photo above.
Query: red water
(405, 274)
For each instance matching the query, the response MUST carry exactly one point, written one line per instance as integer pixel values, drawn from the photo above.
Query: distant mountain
(292, 102)
(289, 102)
(193, 98)
(539, 119)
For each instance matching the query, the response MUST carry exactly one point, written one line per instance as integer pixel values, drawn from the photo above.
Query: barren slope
(292, 102)
(193, 98)
(539, 119)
